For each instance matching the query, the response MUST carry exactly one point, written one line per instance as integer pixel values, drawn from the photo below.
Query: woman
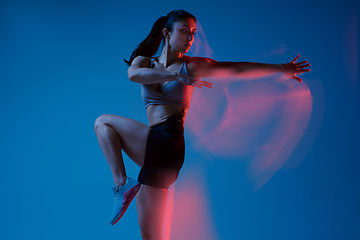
(167, 83)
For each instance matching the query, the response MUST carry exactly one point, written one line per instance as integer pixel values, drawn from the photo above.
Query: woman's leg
(116, 133)
(151, 205)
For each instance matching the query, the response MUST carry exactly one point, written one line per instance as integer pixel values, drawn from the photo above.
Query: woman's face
(182, 36)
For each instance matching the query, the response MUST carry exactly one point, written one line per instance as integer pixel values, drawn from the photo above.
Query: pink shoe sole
(128, 197)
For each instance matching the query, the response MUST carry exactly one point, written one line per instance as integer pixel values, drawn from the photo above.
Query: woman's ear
(166, 33)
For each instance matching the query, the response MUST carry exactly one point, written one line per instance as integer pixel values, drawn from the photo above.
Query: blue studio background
(62, 67)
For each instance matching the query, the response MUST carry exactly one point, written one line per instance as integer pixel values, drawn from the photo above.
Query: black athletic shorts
(164, 156)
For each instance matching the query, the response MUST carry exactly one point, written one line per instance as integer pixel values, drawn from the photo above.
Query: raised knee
(99, 122)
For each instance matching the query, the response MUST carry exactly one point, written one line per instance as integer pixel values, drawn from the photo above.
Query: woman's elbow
(132, 76)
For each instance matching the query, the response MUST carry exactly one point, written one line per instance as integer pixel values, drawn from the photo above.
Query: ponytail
(150, 45)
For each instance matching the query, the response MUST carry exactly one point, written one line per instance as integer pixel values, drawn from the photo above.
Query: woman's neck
(169, 56)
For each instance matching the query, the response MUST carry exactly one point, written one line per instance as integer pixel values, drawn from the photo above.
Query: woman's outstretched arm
(206, 67)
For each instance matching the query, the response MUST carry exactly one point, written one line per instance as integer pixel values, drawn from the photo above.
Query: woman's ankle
(120, 182)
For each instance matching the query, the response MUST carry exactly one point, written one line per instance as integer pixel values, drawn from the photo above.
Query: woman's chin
(186, 50)
(183, 51)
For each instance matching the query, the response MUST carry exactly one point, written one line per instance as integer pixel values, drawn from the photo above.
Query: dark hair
(150, 45)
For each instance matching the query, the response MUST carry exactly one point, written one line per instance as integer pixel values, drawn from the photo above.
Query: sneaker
(123, 197)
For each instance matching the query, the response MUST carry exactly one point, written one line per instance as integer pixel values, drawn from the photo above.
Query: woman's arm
(206, 67)
(140, 72)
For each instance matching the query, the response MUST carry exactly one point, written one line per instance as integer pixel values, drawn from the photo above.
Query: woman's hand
(291, 69)
(196, 82)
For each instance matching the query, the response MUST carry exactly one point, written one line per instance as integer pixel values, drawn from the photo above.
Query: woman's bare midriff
(159, 113)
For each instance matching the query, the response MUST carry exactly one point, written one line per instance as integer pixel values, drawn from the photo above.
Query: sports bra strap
(152, 62)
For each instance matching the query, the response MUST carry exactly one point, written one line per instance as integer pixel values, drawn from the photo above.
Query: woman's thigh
(133, 135)
(151, 205)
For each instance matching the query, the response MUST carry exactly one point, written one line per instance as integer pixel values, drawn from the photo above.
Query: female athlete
(167, 82)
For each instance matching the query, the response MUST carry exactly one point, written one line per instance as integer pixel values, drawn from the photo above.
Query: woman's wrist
(279, 67)
(175, 76)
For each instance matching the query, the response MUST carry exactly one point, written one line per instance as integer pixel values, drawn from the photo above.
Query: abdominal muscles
(159, 113)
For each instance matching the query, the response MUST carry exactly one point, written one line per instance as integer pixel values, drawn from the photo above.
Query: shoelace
(116, 190)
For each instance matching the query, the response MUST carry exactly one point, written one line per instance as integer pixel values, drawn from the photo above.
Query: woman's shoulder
(142, 61)
(196, 63)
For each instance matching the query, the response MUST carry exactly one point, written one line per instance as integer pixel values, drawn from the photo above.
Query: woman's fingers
(189, 80)
(303, 66)
(296, 58)
(297, 79)
(292, 68)
(201, 83)
(303, 70)
(205, 83)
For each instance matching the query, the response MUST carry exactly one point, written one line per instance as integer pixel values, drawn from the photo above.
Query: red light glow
(261, 120)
